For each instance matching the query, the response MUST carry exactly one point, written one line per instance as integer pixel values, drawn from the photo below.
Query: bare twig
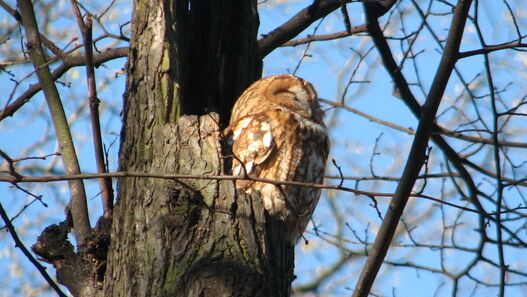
(178, 177)
(325, 37)
(305, 52)
(367, 116)
(340, 172)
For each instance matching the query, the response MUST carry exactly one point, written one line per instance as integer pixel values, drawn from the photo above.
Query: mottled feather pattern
(278, 134)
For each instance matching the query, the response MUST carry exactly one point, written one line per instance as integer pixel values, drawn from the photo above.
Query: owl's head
(295, 94)
(284, 91)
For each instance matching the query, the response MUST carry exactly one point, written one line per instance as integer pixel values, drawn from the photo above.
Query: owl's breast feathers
(282, 139)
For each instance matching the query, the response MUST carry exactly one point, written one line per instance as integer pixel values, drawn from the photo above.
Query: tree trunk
(189, 237)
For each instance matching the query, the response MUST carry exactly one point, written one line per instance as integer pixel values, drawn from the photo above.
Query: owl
(277, 133)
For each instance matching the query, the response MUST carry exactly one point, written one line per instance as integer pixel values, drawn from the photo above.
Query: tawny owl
(277, 133)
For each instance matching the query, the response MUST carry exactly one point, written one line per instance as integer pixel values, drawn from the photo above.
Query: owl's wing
(253, 144)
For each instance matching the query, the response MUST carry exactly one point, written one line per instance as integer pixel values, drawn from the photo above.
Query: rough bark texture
(189, 237)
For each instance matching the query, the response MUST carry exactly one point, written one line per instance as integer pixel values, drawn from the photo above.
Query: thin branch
(105, 184)
(68, 63)
(491, 48)
(326, 37)
(27, 253)
(497, 159)
(390, 178)
(323, 275)
(180, 177)
(459, 135)
(305, 53)
(367, 116)
(443, 131)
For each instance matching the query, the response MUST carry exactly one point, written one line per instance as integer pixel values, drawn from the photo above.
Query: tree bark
(189, 237)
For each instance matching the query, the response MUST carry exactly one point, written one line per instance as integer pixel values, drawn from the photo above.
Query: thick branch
(417, 155)
(295, 25)
(78, 206)
(407, 96)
